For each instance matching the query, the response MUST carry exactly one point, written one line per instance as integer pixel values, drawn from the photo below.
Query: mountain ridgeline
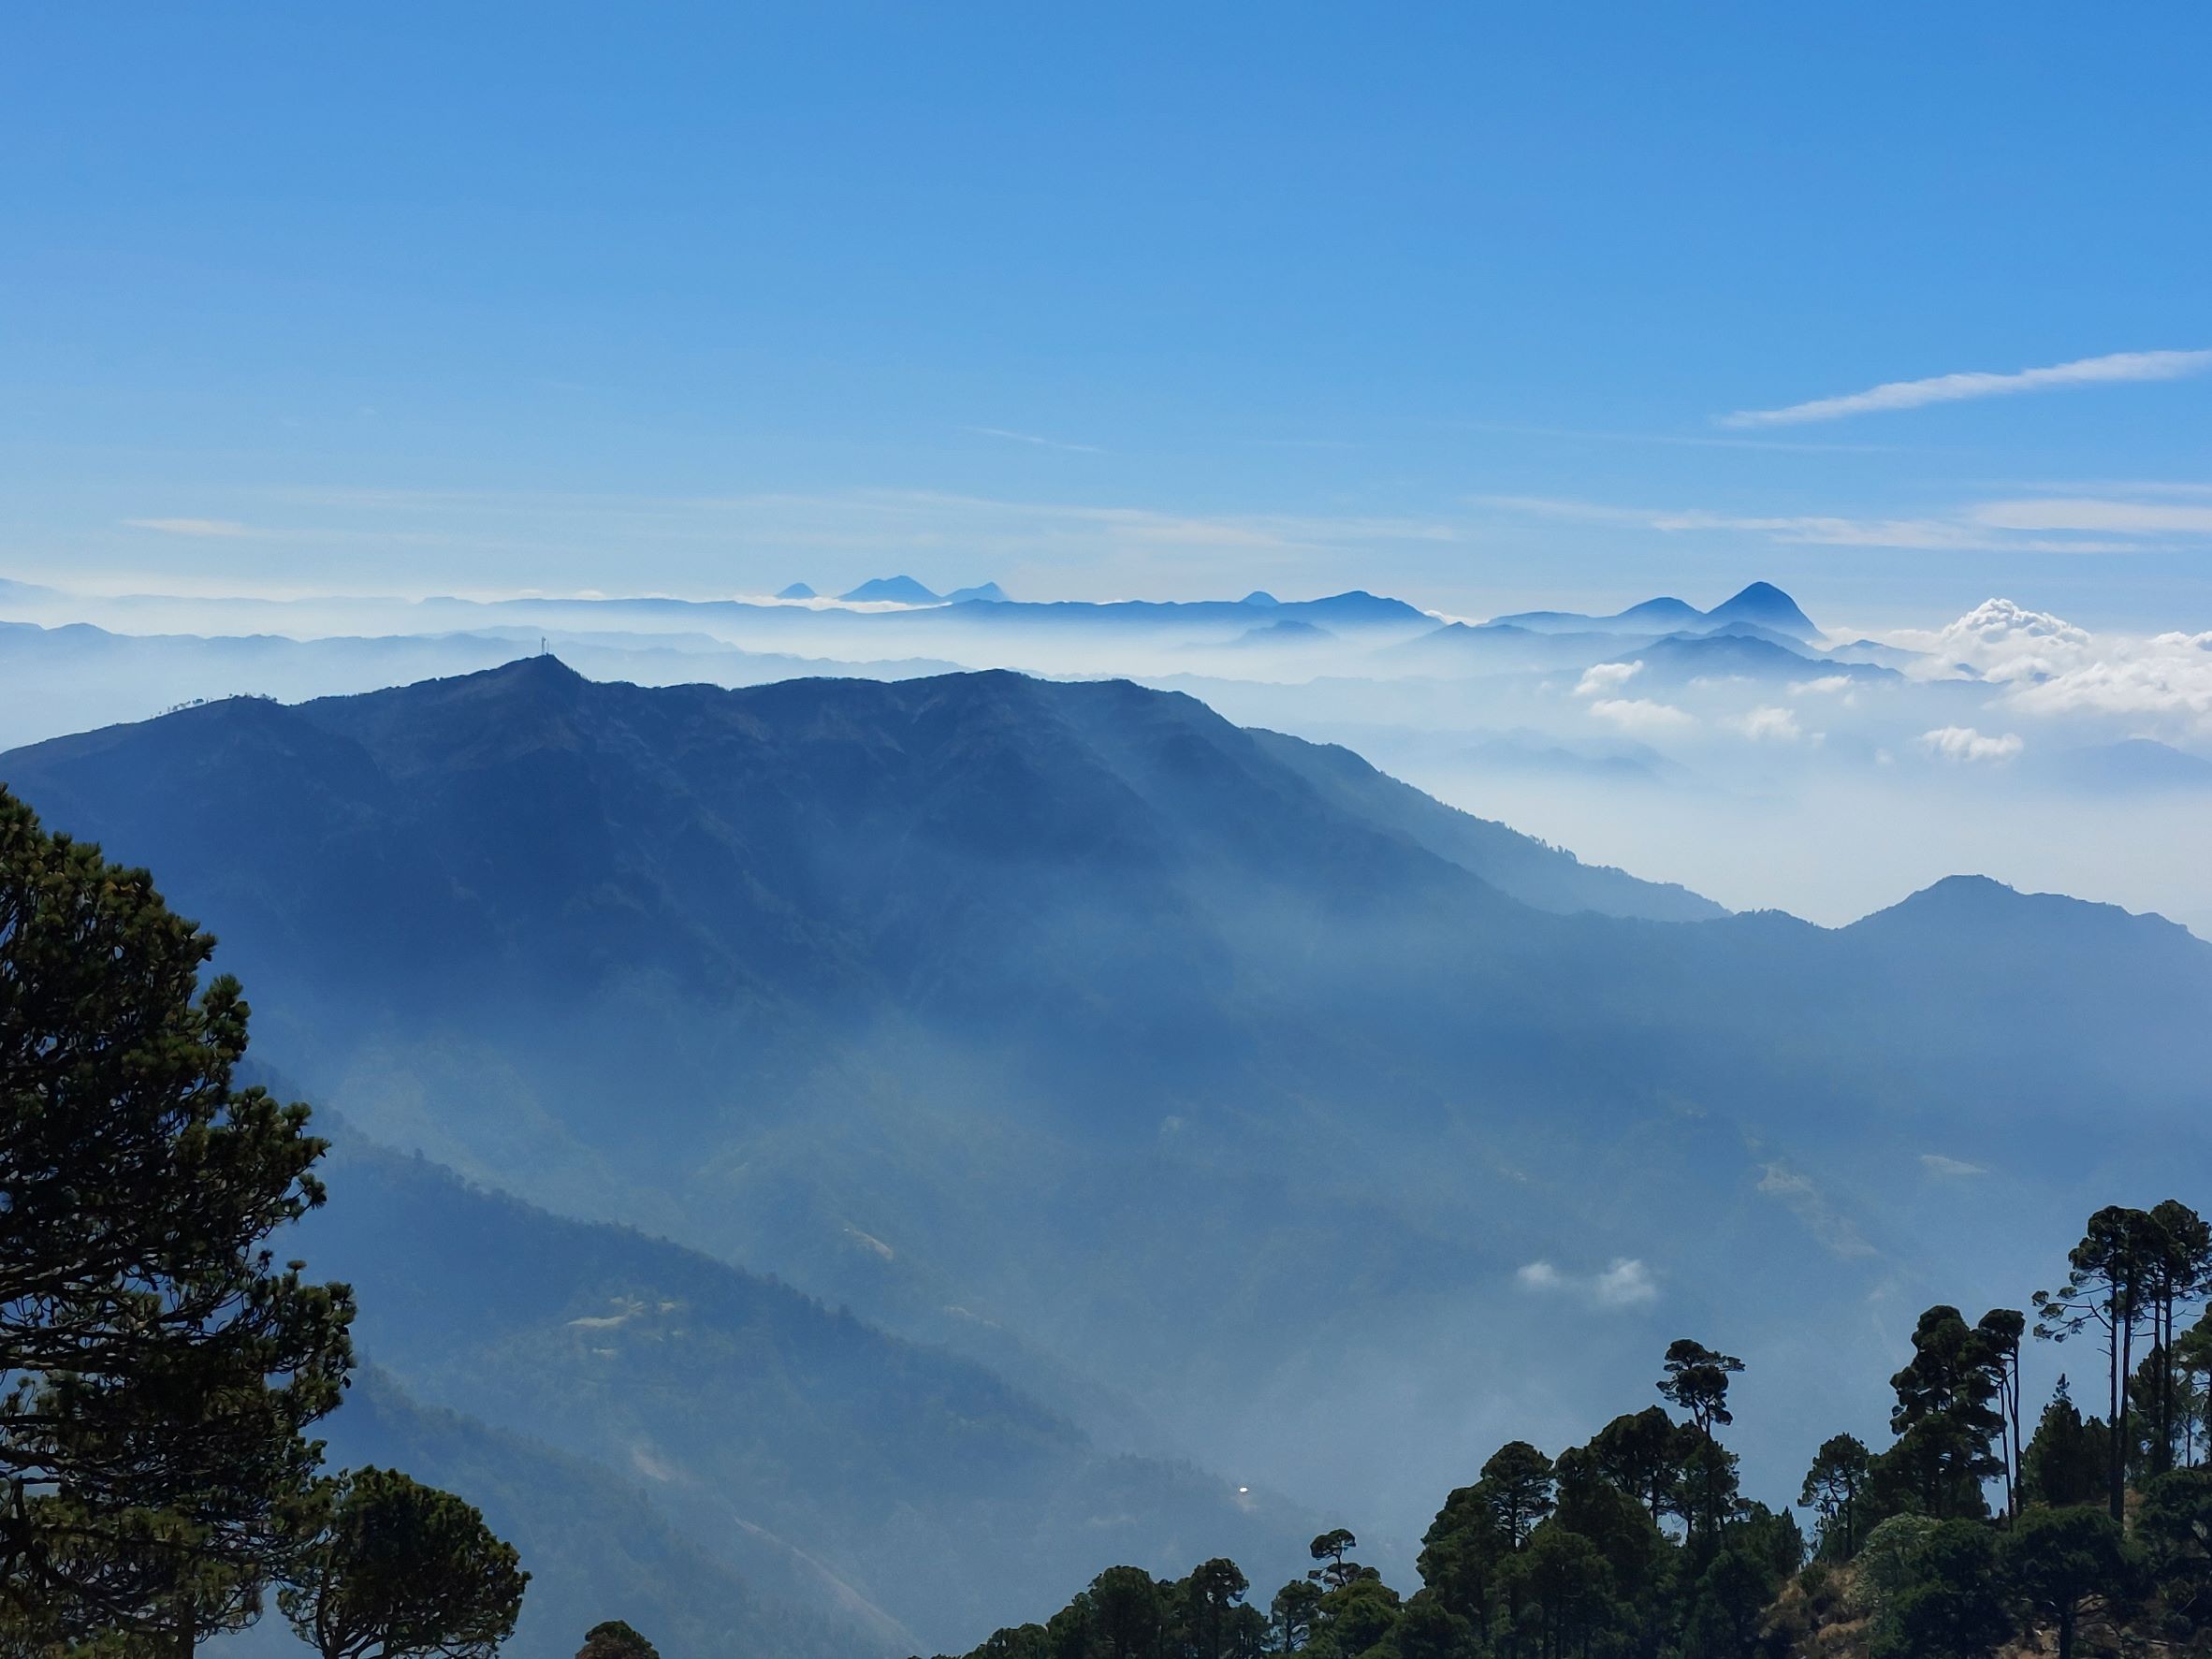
(1156, 1092)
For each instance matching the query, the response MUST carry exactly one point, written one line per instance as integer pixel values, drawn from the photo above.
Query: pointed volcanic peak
(1766, 606)
(797, 590)
(891, 591)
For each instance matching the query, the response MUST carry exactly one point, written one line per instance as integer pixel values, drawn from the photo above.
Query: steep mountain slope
(1519, 866)
(595, 1544)
(1192, 1077)
(823, 1459)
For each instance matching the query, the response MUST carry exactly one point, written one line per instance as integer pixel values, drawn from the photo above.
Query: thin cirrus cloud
(192, 526)
(1963, 530)
(2084, 513)
(1958, 388)
(1035, 441)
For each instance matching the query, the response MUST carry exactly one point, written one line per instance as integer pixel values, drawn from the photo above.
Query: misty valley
(835, 1166)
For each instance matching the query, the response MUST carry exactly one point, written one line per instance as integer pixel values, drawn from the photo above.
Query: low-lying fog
(1752, 754)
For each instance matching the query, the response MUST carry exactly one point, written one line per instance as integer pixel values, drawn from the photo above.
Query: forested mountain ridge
(1058, 1022)
(1981, 1525)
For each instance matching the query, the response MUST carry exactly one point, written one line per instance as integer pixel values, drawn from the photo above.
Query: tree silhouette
(614, 1639)
(1833, 1484)
(2058, 1559)
(405, 1570)
(163, 1367)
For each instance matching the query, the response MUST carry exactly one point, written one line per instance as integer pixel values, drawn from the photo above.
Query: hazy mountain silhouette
(1761, 603)
(899, 589)
(1766, 606)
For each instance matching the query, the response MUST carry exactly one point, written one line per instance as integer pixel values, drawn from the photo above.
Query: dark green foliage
(2059, 1559)
(1292, 1614)
(1330, 1550)
(1354, 1618)
(1950, 1601)
(1697, 1380)
(1128, 1610)
(1213, 1604)
(1460, 1554)
(615, 1639)
(2174, 1528)
(1999, 1332)
(2066, 1460)
(1642, 1454)
(1726, 1605)
(1839, 1475)
(2108, 1291)
(162, 1369)
(403, 1568)
(1945, 1419)
(1515, 1484)
(1427, 1629)
(2179, 1272)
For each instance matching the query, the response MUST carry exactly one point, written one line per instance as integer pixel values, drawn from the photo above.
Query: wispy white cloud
(1031, 438)
(1671, 440)
(1831, 1226)
(1935, 1163)
(1953, 388)
(192, 526)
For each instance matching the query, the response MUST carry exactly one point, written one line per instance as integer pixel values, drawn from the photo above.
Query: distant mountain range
(1196, 1090)
(1762, 606)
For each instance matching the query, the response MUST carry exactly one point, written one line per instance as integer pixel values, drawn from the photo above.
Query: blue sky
(1450, 301)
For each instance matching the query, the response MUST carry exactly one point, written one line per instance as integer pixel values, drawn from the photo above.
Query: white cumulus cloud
(1624, 1282)
(2165, 680)
(1766, 725)
(1642, 716)
(1606, 676)
(1963, 743)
